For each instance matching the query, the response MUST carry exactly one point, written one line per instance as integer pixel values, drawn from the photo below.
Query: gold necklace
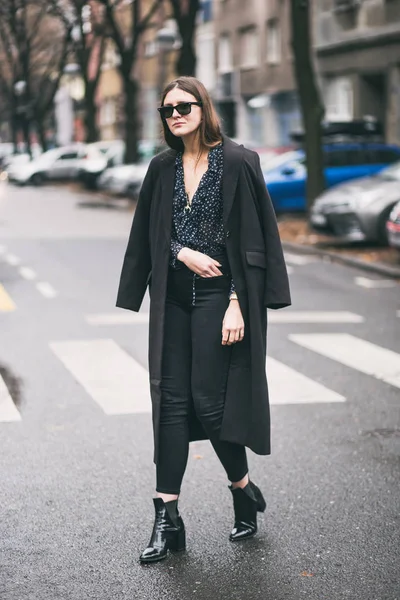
(188, 206)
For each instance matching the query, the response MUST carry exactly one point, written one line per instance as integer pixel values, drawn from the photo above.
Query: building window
(249, 48)
(274, 52)
(205, 50)
(225, 54)
(339, 99)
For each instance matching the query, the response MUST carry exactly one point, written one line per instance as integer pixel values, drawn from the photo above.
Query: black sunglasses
(183, 108)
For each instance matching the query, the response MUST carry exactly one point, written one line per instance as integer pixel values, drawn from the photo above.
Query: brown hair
(209, 129)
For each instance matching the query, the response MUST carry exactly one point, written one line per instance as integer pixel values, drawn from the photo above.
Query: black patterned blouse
(200, 227)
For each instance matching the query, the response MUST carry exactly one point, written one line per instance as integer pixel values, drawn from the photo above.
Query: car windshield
(277, 161)
(47, 157)
(391, 173)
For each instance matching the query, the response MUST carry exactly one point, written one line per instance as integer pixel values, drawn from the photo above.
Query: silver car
(124, 180)
(58, 163)
(393, 227)
(358, 210)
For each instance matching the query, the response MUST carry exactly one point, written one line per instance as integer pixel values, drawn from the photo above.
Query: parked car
(124, 180)
(393, 227)
(285, 175)
(99, 156)
(58, 163)
(358, 211)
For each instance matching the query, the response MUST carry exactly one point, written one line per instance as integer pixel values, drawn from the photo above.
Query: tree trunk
(310, 100)
(26, 130)
(186, 63)
(41, 130)
(131, 88)
(14, 133)
(92, 132)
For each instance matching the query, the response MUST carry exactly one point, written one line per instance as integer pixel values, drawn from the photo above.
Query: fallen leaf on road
(197, 456)
(305, 574)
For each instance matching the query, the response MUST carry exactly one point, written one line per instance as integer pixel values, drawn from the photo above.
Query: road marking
(8, 410)
(6, 303)
(12, 259)
(118, 318)
(299, 259)
(287, 386)
(374, 283)
(381, 363)
(27, 273)
(46, 289)
(289, 269)
(291, 316)
(117, 382)
(398, 313)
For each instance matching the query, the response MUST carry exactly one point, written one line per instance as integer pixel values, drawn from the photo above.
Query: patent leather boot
(168, 532)
(247, 502)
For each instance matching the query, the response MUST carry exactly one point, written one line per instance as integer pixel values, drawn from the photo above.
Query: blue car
(285, 175)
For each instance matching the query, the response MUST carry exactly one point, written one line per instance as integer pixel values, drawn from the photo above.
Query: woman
(204, 238)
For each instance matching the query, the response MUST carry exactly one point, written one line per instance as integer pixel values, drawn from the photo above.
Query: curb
(376, 267)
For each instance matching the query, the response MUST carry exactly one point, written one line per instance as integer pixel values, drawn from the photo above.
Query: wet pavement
(76, 467)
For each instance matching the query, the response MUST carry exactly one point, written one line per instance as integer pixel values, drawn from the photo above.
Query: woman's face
(182, 125)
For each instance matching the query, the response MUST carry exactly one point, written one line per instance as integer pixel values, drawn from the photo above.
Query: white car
(124, 180)
(99, 156)
(58, 163)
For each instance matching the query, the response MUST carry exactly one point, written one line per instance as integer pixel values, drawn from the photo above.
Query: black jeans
(194, 374)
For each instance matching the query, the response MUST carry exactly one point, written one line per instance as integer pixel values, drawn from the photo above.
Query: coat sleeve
(137, 261)
(277, 291)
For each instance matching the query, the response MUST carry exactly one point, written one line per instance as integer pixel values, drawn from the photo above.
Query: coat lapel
(167, 176)
(233, 157)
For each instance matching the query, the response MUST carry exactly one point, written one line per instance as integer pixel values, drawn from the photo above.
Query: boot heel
(261, 504)
(178, 543)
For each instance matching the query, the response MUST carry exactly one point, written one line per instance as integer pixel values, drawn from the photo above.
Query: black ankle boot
(247, 502)
(168, 532)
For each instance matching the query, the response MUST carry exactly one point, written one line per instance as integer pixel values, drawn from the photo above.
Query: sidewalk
(297, 237)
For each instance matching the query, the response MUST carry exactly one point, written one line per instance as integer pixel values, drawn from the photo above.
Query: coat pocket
(256, 259)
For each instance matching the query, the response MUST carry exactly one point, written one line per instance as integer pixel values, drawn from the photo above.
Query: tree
(89, 44)
(34, 46)
(126, 37)
(185, 14)
(310, 100)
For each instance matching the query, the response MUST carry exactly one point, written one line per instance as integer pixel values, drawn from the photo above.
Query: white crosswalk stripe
(367, 282)
(351, 351)
(289, 316)
(117, 382)
(314, 316)
(8, 410)
(117, 318)
(299, 259)
(120, 385)
(287, 386)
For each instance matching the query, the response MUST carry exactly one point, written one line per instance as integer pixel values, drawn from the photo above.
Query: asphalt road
(76, 441)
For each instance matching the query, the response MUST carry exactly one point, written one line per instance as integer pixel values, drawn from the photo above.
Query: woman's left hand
(233, 324)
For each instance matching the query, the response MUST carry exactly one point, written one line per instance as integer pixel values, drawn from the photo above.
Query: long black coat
(258, 270)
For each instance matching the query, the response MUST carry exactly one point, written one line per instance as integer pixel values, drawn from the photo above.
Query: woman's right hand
(199, 263)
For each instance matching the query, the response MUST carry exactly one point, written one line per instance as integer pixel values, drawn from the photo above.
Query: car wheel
(382, 233)
(37, 179)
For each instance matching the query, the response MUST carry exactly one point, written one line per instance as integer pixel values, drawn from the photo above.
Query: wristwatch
(233, 296)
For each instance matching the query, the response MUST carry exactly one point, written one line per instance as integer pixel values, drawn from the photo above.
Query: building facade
(255, 87)
(357, 44)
